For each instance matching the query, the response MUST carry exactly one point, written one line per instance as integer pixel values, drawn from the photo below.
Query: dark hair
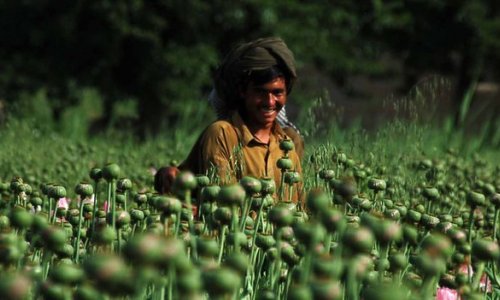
(262, 76)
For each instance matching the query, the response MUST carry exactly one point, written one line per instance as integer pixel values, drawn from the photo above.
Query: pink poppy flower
(63, 202)
(444, 293)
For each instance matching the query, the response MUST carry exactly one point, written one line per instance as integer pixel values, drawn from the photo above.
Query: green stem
(77, 242)
(477, 276)
(222, 241)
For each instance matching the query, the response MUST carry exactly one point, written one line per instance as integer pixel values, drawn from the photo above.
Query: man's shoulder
(218, 126)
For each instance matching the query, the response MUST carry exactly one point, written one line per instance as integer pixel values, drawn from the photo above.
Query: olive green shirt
(228, 148)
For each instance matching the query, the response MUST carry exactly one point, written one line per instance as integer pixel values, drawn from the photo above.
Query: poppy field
(371, 225)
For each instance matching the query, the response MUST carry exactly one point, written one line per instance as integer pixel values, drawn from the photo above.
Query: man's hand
(164, 179)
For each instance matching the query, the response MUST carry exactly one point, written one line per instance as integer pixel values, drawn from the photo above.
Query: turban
(257, 55)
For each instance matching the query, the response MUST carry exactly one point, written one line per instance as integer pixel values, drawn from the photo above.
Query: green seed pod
(237, 262)
(292, 178)
(485, 250)
(105, 235)
(430, 267)
(392, 214)
(284, 164)
(36, 201)
(280, 216)
(475, 199)
(210, 193)
(431, 193)
(387, 231)
(265, 241)
(327, 268)
(124, 184)
(136, 215)
(458, 258)
(207, 247)
(309, 234)
(326, 290)
(495, 199)
(57, 192)
(233, 194)
(86, 292)
(219, 282)
(140, 198)
(202, 180)
(185, 181)
(333, 220)
(251, 185)
(437, 244)
(300, 293)
(326, 174)
(122, 218)
(168, 205)
(95, 174)
(223, 215)
(20, 218)
(12, 248)
(377, 184)
(286, 145)
(317, 201)
(65, 273)
(144, 249)
(111, 172)
(54, 237)
(189, 283)
(84, 190)
(410, 234)
(398, 261)
(120, 199)
(288, 254)
(385, 291)
(268, 186)
(4, 223)
(15, 286)
(429, 221)
(110, 273)
(237, 237)
(358, 240)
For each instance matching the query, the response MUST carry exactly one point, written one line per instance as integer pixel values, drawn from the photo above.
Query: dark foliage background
(148, 65)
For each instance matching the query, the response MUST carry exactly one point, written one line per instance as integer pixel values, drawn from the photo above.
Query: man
(253, 82)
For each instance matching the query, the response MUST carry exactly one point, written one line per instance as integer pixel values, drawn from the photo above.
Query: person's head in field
(255, 79)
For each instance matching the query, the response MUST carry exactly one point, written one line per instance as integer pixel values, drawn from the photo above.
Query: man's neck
(261, 134)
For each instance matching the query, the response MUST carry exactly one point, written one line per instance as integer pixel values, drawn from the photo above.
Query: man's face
(263, 102)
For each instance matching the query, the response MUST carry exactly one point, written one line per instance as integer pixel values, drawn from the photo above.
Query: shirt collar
(277, 133)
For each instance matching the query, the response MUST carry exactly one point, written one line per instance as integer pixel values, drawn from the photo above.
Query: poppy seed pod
(54, 237)
(280, 216)
(57, 192)
(292, 178)
(326, 174)
(358, 240)
(309, 234)
(111, 172)
(333, 220)
(238, 262)
(20, 218)
(66, 273)
(251, 185)
(377, 184)
(430, 193)
(475, 199)
(95, 174)
(429, 221)
(15, 286)
(268, 186)
(233, 194)
(36, 201)
(140, 198)
(223, 215)
(219, 282)
(286, 145)
(485, 250)
(265, 241)
(202, 180)
(84, 189)
(437, 244)
(495, 199)
(168, 205)
(124, 184)
(387, 231)
(137, 215)
(184, 181)
(210, 193)
(207, 247)
(284, 164)
(317, 201)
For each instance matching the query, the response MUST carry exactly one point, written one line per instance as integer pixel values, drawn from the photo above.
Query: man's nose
(270, 99)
